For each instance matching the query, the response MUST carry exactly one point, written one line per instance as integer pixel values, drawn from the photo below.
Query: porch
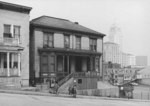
(9, 64)
(57, 64)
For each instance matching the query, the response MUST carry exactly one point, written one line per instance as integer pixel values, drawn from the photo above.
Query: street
(32, 100)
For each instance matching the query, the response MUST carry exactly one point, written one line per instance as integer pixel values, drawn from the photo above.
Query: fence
(141, 95)
(114, 92)
(111, 92)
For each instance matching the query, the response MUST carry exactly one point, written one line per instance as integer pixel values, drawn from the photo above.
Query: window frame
(19, 34)
(78, 43)
(48, 42)
(93, 44)
(66, 45)
(5, 33)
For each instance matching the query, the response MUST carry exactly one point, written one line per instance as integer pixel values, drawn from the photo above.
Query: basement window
(79, 81)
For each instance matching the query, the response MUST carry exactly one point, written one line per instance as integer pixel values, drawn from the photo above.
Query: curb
(65, 95)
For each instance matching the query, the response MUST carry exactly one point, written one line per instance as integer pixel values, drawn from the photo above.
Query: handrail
(77, 74)
(65, 79)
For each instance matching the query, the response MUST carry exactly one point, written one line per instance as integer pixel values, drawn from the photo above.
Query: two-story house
(14, 44)
(59, 47)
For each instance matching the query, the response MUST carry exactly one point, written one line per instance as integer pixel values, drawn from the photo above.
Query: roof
(70, 51)
(146, 70)
(10, 48)
(58, 23)
(15, 7)
(110, 43)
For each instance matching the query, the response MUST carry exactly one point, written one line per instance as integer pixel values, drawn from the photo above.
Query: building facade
(141, 60)
(144, 76)
(14, 44)
(112, 53)
(118, 76)
(115, 35)
(59, 47)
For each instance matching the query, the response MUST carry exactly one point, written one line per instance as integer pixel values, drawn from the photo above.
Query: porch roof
(69, 51)
(5, 48)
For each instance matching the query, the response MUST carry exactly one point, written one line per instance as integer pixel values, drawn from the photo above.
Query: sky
(132, 16)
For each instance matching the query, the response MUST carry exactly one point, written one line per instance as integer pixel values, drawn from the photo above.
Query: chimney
(76, 23)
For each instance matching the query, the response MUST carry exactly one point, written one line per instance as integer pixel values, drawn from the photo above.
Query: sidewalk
(38, 93)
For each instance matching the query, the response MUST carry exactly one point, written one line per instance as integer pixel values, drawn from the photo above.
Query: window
(48, 40)
(44, 62)
(97, 64)
(17, 32)
(78, 42)
(93, 44)
(66, 41)
(13, 60)
(52, 63)
(79, 81)
(7, 31)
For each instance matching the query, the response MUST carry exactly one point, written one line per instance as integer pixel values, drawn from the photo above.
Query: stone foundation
(10, 83)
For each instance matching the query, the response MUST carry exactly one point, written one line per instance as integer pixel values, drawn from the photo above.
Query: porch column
(91, 69)
(12, 60)
(68, 64)
(19, 64)
(8, 71)
(63, 64)
(2, 61)
(55, 63)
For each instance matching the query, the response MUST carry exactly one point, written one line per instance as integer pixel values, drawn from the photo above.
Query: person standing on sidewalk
(56, 86)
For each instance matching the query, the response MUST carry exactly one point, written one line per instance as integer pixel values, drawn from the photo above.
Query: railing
(13, 72)
(86, 74)
(3, 72)
(9, 41)
(78, 74)
(61, 82)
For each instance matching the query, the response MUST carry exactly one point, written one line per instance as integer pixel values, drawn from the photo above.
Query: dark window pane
(78, 42)
(93, 44)
(67, 41)
(7, 31)
(48, 40)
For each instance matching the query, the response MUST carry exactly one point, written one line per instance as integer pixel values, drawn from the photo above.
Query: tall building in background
(113, 49)
(111, 52)
(115, 35)
(141, 60)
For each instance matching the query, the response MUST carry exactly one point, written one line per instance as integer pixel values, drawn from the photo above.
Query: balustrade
(13, 72)
(9, 41)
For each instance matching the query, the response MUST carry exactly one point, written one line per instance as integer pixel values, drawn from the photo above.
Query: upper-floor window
(7, 31)
(93, 44)
(17, 32)
(66, 41)
(48, 40)
(78, 42)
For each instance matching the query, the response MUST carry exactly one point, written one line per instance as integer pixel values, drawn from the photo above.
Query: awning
(6, 48)
(69, 51)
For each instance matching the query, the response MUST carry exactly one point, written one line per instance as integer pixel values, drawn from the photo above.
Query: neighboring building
(14, 44)
(118, 76)
(125, 60)
(131, 60)
(59, 47)
(109, 65)
(141, 60)
(144, 76)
